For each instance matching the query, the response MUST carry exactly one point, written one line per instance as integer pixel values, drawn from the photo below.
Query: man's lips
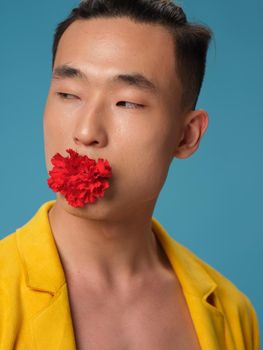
(79, 178)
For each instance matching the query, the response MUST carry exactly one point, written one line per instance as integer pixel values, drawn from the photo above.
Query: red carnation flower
(79, 178)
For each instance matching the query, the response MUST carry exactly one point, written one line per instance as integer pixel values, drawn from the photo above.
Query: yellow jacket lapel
(199, 290)
(52, 328)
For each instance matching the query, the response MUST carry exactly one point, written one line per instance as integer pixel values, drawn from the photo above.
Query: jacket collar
(199, 289)
(44, 272)
(39, 253)
(191, 273)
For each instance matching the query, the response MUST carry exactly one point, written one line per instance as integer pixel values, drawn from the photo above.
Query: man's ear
(194, 126)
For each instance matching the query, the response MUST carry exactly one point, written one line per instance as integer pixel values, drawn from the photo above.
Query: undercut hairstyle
(191, 40)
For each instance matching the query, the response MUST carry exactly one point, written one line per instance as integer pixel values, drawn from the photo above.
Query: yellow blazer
(34, 304)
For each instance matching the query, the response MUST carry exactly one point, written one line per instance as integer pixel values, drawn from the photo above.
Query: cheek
(56, 137)
(145, 159)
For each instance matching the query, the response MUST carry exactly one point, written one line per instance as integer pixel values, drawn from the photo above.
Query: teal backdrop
(212, 201)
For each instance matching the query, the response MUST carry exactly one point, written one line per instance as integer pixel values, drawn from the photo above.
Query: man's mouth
(79, 178)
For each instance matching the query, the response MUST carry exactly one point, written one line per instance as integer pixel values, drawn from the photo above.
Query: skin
(110, 242)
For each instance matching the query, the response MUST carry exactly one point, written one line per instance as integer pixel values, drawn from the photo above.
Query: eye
(134, 105)
(66, 96)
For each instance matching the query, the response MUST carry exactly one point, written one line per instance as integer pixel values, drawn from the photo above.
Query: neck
(104, 251)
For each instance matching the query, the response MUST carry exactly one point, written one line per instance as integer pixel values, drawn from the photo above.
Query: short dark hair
(191, 40)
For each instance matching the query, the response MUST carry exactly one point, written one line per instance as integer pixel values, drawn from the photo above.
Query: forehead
(105, 46)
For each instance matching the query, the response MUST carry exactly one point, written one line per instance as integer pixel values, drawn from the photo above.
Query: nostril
(96, 137)
(93, 142)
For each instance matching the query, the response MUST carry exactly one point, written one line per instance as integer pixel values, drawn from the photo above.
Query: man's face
(134, 126)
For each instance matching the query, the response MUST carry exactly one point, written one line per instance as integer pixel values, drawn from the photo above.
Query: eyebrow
(137, 80)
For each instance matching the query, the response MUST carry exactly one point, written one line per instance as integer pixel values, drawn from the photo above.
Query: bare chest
(153, 318)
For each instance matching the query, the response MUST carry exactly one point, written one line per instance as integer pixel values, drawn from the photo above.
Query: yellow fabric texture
(34, 304)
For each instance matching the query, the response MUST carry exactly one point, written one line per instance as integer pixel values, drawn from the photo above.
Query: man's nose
(90, 129)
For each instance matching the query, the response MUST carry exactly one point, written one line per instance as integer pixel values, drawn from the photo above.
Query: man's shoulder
(8, 250)
(8, 240)
(8, 246)
(225, 287)
(12, 245)
(196, 275)
(230, 300)
(10, 264)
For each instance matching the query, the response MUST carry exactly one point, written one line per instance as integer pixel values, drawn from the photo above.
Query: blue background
(212, 201)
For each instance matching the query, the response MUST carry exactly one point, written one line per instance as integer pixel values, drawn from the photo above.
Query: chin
(101, 209)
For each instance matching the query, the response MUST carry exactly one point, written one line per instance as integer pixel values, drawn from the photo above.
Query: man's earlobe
(195, 125)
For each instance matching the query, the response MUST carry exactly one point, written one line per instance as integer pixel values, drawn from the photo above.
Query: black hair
(191, 40)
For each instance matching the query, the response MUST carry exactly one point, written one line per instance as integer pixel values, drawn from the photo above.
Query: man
(126, 78)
